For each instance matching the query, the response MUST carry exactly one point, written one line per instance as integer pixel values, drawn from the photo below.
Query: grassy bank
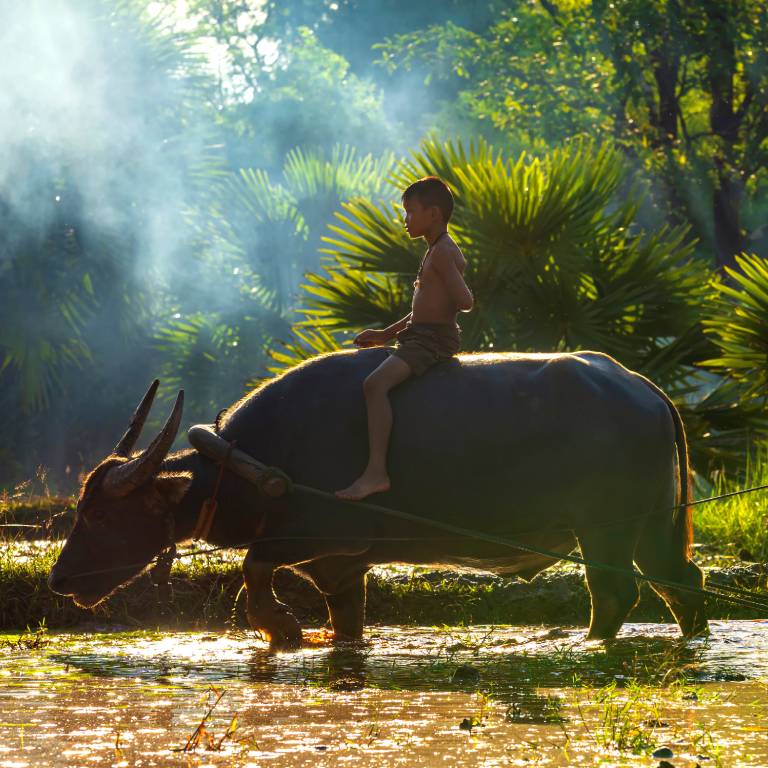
(205, 595)
(738, 525)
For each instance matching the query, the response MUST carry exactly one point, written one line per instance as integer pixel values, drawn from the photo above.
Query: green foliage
(739, 325)
(307, 344)
(675, 85)
(307, 96)
(264, 228)
(273, 229)
(42, 315)
(555, 260)
(625, 719)
(740, 523)
(534, 78)
(213, 351)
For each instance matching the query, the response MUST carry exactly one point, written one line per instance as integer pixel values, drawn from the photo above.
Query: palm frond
(556, 261)
(307, 343)
(738, 324)
(310, 175)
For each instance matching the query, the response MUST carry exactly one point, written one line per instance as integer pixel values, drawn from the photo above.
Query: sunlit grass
(739, 524)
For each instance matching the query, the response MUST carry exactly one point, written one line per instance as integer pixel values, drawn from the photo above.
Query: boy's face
(419, 220)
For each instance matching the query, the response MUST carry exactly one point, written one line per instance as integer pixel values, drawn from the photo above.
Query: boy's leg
(376, 387)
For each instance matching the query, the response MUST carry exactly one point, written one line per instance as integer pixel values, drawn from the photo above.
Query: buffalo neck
(240, 507)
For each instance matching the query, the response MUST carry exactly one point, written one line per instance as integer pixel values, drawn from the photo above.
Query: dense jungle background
(208, 192)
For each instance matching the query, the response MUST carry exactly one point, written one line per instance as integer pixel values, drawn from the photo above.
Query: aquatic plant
(625, 718)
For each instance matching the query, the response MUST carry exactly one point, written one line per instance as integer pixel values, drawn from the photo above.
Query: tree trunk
(663, 118)
(725, 124)
(726, 204)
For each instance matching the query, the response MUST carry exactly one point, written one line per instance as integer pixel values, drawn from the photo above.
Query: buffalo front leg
(342, 584)
(266, 614)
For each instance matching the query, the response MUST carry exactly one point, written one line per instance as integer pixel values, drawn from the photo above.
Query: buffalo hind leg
(613, 594)
(661, 552)
(342, 583)
(266, 614)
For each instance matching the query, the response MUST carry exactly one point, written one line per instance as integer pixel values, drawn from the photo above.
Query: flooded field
(486, 696)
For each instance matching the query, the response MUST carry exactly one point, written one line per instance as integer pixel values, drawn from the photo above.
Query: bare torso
(431, 301)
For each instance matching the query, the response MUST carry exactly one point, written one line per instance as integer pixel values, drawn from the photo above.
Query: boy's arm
(445, 265)
(377, 337)
(395, 328)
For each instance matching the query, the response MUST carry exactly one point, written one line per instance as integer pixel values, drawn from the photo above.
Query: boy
(426, 335)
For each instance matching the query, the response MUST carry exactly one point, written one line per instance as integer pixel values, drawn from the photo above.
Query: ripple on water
(416, 656)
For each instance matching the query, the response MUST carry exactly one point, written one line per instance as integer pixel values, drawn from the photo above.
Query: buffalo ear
(173, 486)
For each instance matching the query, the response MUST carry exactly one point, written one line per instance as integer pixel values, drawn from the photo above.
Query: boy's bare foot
(365, 486)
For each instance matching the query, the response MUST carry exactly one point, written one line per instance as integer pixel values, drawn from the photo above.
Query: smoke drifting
(103, 135)
(116, 135)
(87, 107)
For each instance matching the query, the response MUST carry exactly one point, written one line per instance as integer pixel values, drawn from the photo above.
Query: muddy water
(406, 696)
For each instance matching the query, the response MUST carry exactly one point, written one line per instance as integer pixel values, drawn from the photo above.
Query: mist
(114, 204)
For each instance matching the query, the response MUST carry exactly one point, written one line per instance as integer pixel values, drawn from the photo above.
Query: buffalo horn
(124, 478)
(132, 434)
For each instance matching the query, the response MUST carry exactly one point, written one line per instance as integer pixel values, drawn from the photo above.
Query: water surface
(483, 696)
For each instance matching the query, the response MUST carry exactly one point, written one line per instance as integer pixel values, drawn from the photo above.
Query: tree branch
(749, 95)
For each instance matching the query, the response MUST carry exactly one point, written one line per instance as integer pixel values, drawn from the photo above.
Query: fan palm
(738, 325)
(42, 314)
(555, 260)
(276, 227)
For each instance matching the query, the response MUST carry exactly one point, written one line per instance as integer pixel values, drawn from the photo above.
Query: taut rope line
(749, 600)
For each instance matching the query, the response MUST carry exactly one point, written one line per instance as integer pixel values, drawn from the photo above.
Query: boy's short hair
(431, 191)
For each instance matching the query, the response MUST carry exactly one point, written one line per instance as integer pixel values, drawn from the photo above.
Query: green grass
(739, 524)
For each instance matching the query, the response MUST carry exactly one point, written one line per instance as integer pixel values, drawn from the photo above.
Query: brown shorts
(421, 345)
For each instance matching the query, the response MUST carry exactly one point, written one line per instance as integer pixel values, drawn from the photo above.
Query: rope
(740, 597)
(733, 595)
(722, 496)
(756, 602)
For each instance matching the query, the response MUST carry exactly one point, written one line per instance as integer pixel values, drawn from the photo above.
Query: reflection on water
(415, 658)
(410, 696)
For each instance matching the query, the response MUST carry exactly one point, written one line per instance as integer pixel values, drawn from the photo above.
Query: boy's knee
(372, 386)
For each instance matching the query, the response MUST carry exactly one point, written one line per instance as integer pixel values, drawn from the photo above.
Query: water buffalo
(552, 450)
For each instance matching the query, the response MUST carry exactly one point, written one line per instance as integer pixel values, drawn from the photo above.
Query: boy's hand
(371, 338)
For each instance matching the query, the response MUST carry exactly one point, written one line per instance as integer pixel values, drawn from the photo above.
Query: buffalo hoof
(281, 630)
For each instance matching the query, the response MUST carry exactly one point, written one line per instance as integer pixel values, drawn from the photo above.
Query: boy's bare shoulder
(446, 251)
